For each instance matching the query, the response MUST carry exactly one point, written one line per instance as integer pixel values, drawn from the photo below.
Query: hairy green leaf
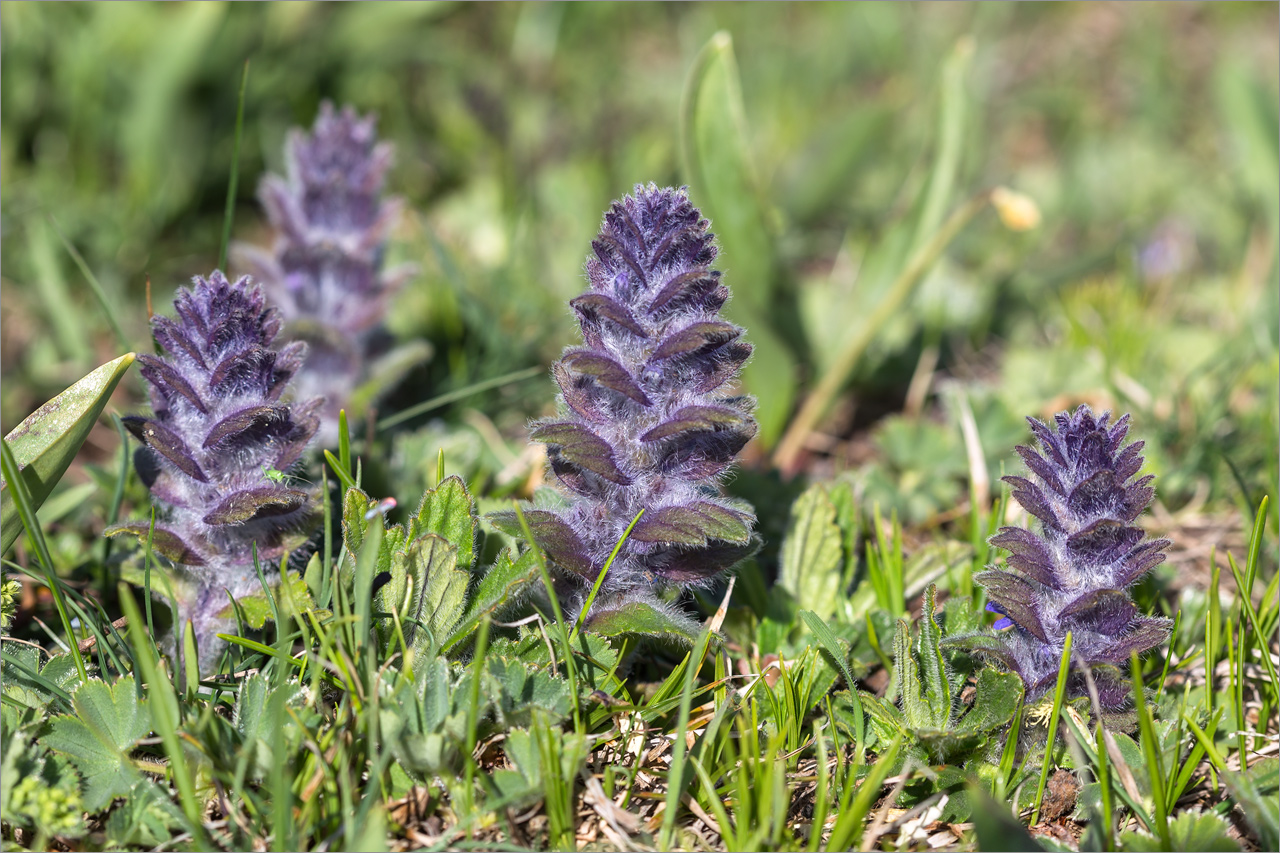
(812, 553)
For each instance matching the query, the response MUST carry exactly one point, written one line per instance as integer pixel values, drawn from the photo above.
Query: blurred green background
(823, 140)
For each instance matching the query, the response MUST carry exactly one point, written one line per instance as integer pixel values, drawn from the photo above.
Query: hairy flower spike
(1084, 490)
(325, 272)
(644, 422)
(218, 423)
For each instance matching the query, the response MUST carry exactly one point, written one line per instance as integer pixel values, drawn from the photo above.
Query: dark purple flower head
(219, 435)
(1083, 487)
(325, 272)
(645, 423)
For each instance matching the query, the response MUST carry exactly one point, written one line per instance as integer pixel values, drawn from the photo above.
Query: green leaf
(45, 443)
(933, 666)
(812, 553)
(996, 827)
(944, 746)
(640, 618)
(831, 644)
(427, 590)
(449, 511)
(500, 586)
(1189, 831)
(717, 163)
(1255, 791)
(996, 701)
(109, 722)
(293, 600)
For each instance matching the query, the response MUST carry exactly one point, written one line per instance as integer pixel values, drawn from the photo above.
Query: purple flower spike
(219, 439)
(644, 422)
(325, 272)
(1073, 576)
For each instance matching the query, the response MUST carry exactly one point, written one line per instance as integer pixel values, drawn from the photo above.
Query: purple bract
(645, 423)
(1083, 487)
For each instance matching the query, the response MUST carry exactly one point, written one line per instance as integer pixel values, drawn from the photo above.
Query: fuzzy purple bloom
(1084, 488)
(644, 423)
(325, 272)
(217, 430)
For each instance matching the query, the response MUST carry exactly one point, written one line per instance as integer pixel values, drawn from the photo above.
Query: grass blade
(1059, 693)
(459, 394)
(234, 182)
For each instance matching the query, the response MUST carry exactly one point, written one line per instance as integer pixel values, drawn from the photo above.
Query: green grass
(846, 154)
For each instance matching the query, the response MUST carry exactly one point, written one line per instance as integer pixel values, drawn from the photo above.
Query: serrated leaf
(995, 703)
(427, 590)
(449, 511)
(45, 443)
(501, 584)
(1190, 832)
(812, 555)
(935, 675)
(640, 618)
(108, 723)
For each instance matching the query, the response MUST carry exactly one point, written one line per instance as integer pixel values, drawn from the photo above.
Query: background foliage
(826, 142)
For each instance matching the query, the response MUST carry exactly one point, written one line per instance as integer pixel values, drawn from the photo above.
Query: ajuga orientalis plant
(1073, 574)
(217, 445)
(645, 422)
(325, 272)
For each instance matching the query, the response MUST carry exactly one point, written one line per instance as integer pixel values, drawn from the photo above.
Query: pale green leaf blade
(812, 553)
(933, 666)
(45, 443)
(717, 162)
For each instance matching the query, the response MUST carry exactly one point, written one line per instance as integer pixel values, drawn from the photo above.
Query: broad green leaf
(108, 723)
(717, 163)
(945, 746)
(46, 442)
(293, 600)
(995, 703)
(449, 511)
(1190, 832)
(501, 585)
(641, 619)
(812, 553)
(426, 590)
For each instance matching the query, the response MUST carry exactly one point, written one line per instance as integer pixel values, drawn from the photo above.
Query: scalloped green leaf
(448, 510)
(108, 723)
(45, 443)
